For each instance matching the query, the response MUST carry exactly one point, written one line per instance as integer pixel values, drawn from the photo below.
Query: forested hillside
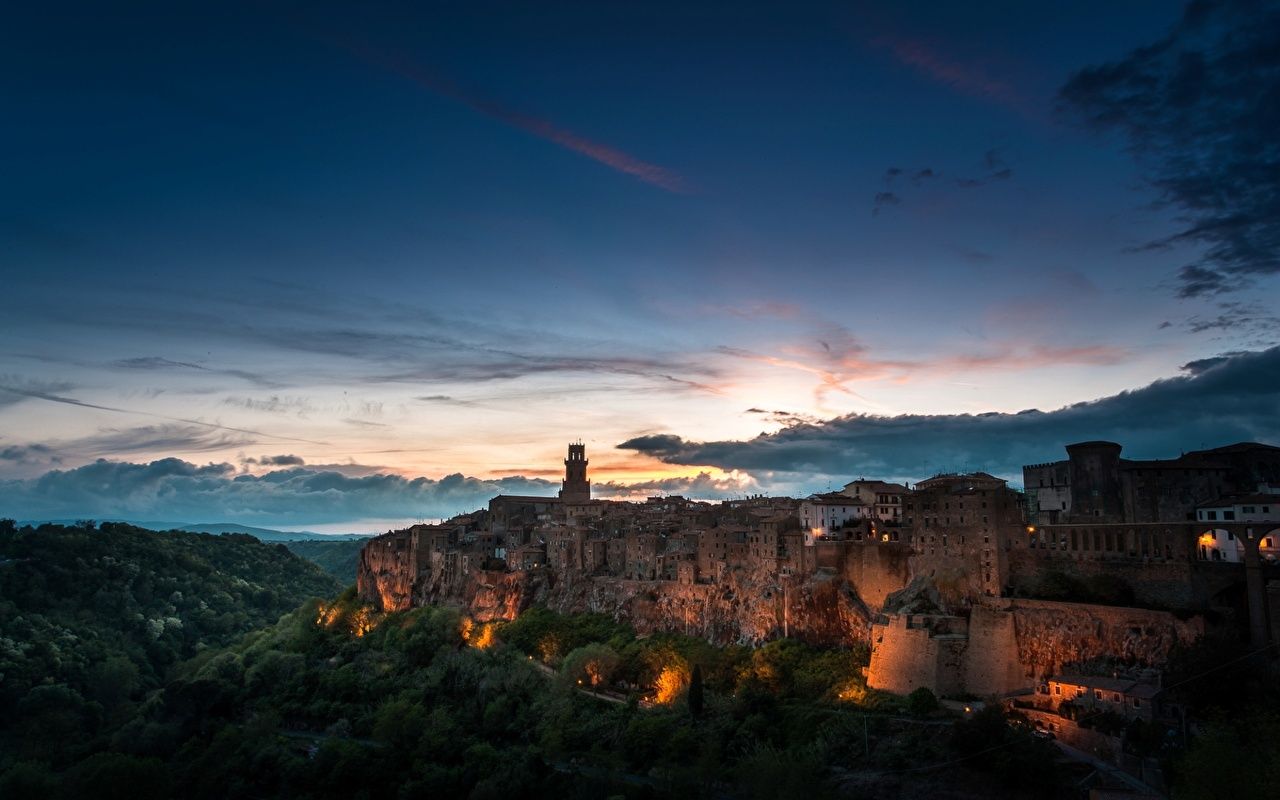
(92, 617)
(338, 557)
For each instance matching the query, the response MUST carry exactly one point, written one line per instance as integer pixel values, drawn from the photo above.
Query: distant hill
(265, 534)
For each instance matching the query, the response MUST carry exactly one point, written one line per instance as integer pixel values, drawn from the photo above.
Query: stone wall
(910, 651)
(1009, 645)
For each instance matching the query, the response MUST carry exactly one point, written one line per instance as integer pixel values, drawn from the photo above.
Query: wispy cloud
(609, 156)
(969, 79)
(21, 392)
(161, 363)
(837, 358)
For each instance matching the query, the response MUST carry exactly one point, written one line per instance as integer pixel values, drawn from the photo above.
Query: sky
(338, 266)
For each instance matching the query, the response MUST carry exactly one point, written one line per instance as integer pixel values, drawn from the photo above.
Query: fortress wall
(1170, 584)
(906, 654)
(991, 661)
(1013, 645)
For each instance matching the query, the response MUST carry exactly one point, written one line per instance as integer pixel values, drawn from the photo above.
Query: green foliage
(339, 558)
(922, 701)
(695, 697)
(93, 617)
(1018, 759)
(1249, 742)
(591, 665)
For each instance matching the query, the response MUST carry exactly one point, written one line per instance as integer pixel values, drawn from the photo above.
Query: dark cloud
(883, 199)
(1248, 319)
(993, 166)
(274, 461)
(175, 489)
(1233, 398)
(1200, 109)
(27, 454)
(782, 417)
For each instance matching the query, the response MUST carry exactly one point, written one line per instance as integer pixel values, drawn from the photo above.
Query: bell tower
(576, 488)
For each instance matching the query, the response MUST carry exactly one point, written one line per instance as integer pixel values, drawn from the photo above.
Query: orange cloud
(842, 361)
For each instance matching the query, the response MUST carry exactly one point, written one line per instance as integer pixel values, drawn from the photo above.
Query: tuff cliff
(744, 607)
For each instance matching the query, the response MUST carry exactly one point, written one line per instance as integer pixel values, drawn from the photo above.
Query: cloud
(968, 79)
(29, 454)
(840, 358)
(883, 199)
(154, 439)
(1199, 110)
(15, 389)
(275, 404)
(159, 363)
(992, 163)
(703, 486)
(1235, 397)
(1249, 319)
(21, 391)
(274, 461)
(607, 155)
(175, 489)
(782, 417)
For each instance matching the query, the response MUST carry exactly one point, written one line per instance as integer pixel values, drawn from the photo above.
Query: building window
(1211, 515)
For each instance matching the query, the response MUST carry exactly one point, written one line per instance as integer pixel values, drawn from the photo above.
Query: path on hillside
(607, 697)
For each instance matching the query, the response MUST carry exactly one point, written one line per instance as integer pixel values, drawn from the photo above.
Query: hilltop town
(1073, 591)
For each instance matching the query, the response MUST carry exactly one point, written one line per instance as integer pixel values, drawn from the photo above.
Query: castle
(956, 582)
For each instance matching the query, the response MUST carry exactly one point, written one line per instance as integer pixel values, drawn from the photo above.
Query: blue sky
(419, 240)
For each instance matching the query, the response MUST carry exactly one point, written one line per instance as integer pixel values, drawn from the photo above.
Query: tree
(695, 698)
(922, 701)
(591, 665)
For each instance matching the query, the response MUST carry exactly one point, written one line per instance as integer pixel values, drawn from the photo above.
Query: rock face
(398, 571)
(743, 609)
(388, 570)
(1051, 635)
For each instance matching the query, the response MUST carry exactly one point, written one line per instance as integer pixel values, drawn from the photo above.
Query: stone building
(576, 488)
(884, 499)
(1094, 484)
(823, 515)
(961, 527)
